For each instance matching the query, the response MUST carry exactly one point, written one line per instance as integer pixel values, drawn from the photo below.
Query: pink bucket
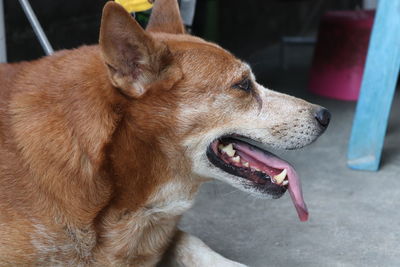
(340, 54)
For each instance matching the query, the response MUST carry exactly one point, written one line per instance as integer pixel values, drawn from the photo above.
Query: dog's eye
(243, 85)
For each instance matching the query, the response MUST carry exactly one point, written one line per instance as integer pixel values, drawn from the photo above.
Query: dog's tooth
(256, 169)
(229, 150)
(245, 163)
(236, 159)
(280, 177)
(285, 182)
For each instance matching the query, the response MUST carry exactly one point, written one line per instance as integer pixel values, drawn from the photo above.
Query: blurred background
(240, 26)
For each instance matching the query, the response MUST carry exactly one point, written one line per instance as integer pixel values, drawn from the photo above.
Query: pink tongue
(294, 181)
(296, 194)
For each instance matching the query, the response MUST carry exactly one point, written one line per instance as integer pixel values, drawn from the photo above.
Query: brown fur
(93, 162)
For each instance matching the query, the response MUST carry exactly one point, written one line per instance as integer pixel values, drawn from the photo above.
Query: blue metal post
(377, 89)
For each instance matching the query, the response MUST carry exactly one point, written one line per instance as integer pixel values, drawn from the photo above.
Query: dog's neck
(140, 163)
(151, 189)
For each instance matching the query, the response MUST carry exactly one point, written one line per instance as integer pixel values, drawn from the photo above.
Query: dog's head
(219, 116)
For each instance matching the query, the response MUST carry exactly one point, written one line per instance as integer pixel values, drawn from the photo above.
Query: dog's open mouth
(266, 172)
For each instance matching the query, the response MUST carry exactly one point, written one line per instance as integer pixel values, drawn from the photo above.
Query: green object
(143, 17)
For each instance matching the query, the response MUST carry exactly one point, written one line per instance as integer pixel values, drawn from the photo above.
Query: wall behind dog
(67, 24)
(239, 25)
(248, 25)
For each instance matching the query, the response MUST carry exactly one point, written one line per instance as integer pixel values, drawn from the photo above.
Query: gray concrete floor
(354, 219)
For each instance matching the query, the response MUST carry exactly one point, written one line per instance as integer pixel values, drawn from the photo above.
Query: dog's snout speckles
(295, 134)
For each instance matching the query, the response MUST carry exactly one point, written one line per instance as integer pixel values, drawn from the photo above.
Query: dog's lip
(257, 179)
(252, 148)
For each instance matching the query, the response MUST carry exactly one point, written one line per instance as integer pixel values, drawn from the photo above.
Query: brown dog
(104, 147)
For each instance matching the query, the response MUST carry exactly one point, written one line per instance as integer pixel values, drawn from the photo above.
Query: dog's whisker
(229, 193)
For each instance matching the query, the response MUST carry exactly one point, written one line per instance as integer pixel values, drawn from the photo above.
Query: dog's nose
(323, 116)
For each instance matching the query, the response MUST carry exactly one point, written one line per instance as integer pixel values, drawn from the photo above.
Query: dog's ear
(165, 17)
(135, 61)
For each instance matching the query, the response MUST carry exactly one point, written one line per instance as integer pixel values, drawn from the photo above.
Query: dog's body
(103, 147)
